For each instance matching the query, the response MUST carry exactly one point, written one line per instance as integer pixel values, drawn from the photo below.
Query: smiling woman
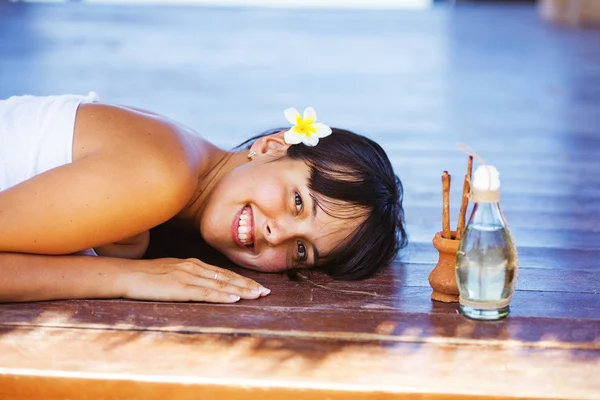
(78, 175)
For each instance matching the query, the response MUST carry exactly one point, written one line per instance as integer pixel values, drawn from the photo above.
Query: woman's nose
(277, 231)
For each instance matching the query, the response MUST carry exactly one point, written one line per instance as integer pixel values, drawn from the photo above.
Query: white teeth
(244, 227)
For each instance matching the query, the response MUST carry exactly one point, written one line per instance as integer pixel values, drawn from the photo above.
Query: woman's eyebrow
(315, 254)
(313, 216)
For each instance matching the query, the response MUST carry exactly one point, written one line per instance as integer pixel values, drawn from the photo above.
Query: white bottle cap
(486, 178)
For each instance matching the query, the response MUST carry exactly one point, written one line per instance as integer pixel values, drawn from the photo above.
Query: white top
(36, 134)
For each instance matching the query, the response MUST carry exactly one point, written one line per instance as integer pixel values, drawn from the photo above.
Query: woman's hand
(171, 279)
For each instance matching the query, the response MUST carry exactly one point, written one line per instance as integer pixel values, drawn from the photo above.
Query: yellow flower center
(306, 127)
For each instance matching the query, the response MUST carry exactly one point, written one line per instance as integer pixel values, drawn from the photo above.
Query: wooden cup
(443, 277)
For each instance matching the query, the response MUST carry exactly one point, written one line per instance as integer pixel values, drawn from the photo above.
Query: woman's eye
(301, 251)
(298, 202)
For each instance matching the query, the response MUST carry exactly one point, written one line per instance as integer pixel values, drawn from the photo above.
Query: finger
(221, 286)
(219, 274)
(195, 293)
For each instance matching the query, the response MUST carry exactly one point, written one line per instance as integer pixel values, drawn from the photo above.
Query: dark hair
(351, 172)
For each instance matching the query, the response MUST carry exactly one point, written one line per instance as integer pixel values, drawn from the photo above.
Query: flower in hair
(305, 129)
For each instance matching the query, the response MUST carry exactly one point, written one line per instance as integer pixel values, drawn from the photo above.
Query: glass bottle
(486, 261)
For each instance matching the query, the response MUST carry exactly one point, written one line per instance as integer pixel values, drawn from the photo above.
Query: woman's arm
(27, 277)
(130, 173)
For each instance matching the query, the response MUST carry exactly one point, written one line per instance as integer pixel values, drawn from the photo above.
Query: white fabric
(88, 252)
(36, 135)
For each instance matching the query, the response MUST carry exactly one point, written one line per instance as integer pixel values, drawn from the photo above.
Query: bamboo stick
(460, 227)
(446, 209)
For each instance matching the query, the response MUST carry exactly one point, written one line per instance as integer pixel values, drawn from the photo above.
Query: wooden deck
(523, 94)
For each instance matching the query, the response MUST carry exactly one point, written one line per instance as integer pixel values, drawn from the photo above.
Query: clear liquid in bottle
(485, 269)
(486, 261)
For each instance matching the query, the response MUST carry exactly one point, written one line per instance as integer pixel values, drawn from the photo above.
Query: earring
(251, 154)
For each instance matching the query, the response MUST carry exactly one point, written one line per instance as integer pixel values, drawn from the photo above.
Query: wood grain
(371, 321)
(118, 362)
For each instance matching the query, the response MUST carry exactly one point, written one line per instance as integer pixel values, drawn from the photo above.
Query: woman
(76, 174)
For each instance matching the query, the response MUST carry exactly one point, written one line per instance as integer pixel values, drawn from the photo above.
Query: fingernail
(234, 297)
(255, 291)
(265, 291)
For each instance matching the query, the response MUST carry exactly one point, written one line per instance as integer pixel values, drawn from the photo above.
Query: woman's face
(261, 216)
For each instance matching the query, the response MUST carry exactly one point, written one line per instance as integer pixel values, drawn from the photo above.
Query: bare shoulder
(154, 143)
(100, 127)
(130, 172)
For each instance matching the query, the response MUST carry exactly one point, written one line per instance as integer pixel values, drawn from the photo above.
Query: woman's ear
(272, 146)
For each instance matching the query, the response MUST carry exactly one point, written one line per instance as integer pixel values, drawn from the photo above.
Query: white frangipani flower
(305, 129)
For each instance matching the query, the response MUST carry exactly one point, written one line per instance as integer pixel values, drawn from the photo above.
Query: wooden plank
(526, 203)
(369, 323)
(524, 237)
(519, 217)
(529, 257)
(26, 385)
(543, 278)
(45, 361)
